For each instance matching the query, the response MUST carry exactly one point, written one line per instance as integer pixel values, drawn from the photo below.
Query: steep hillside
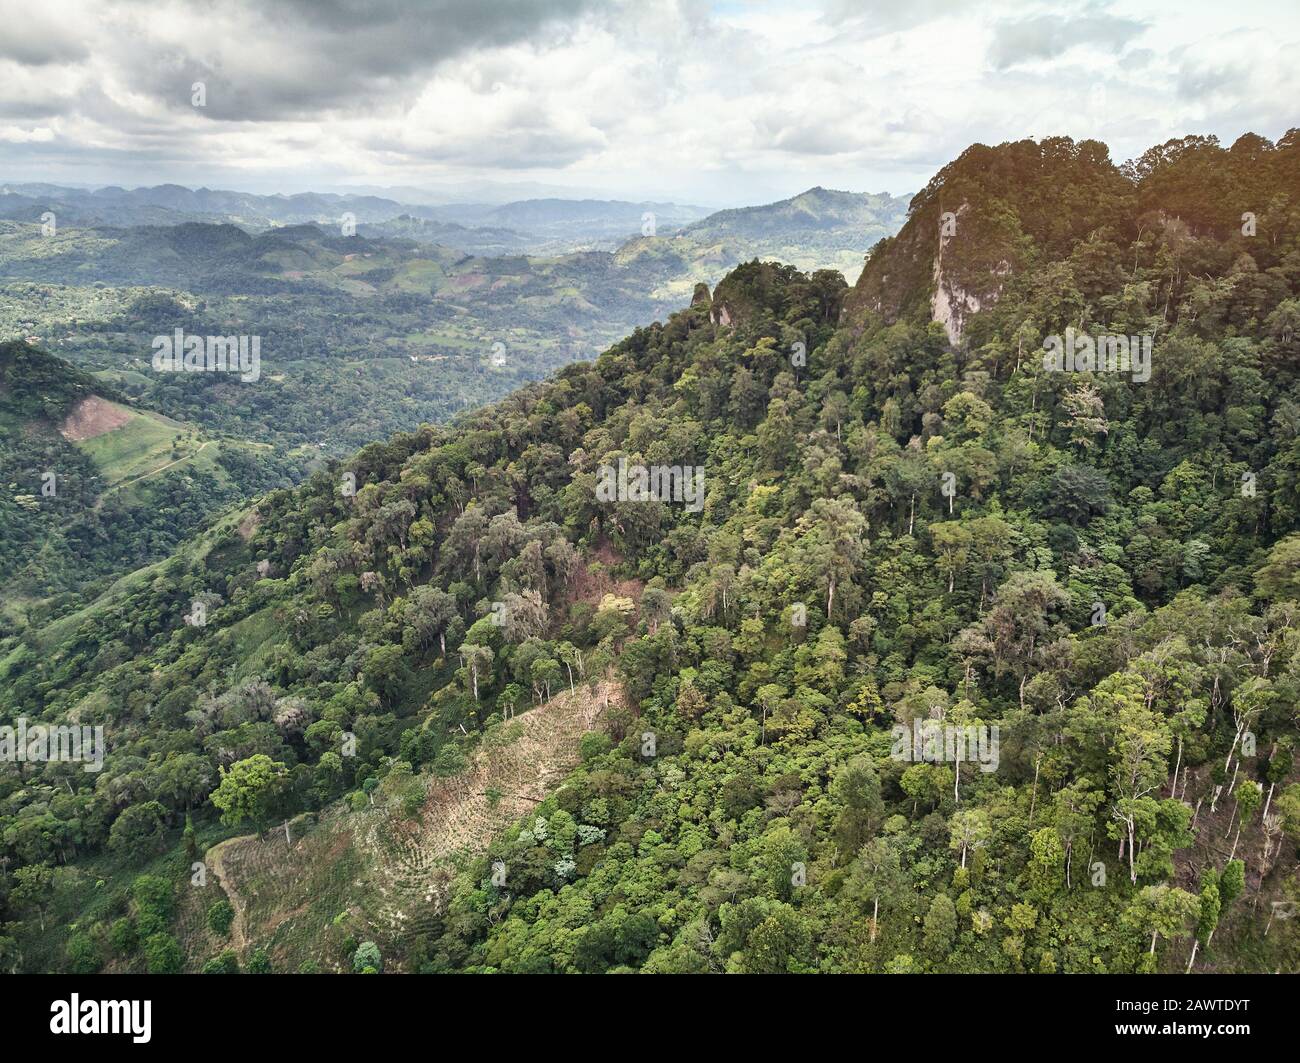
(1006, 220)
(308, 892)
(931, 655)
(92, 485)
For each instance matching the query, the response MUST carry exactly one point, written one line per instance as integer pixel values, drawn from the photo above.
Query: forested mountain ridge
(1096, 574)
(990, 219)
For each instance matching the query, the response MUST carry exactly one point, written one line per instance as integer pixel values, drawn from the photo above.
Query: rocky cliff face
(982, 220)
(951, 302)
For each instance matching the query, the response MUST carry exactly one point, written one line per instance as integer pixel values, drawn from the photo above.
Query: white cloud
(716, 103)
(16, 135)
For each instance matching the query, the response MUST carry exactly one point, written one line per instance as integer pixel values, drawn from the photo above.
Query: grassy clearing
(143, 445)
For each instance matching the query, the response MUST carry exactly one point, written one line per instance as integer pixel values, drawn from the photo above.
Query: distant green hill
(92, 485)
(817, 229)
(384, 330)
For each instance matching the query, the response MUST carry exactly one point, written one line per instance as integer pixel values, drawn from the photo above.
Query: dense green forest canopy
(899, 532)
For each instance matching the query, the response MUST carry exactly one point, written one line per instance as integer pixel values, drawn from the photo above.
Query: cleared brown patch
(378, 873)
(462, 814)
(468, 282)
(93, 417)
(591, 587)
(249, 525)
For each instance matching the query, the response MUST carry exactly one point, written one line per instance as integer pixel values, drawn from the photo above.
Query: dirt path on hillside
(161, 468)
(214, 859)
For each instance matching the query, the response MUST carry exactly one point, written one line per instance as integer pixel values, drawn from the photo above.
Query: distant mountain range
(377, 312)
(813, 224)
(527, 225)
(174, 204)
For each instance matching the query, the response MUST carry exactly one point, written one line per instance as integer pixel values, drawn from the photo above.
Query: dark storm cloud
(1047, 36)
(304, 58)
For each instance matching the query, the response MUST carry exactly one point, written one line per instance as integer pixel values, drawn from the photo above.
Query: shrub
(220, 916)
(154, 898)
(162, 955)
(83, 957)
(223, 963)
(366, 960)
(122, 937)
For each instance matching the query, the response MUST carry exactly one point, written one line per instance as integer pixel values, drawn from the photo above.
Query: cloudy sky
(715, 103)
